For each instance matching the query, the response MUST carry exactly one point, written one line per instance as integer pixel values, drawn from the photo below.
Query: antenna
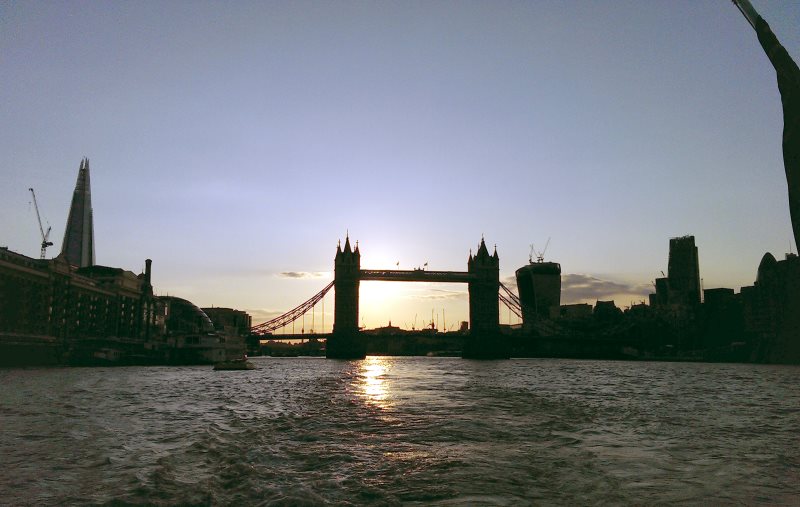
(45, 235)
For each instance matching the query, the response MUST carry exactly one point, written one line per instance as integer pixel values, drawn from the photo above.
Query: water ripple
(392, 431)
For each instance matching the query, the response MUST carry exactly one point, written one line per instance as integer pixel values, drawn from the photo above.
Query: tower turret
(348, 261)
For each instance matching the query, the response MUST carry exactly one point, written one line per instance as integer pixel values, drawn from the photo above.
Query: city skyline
(237, 147)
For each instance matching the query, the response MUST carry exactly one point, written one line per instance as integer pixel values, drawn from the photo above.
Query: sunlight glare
(374, 387)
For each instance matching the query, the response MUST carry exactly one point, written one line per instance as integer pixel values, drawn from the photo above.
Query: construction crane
(539, 255)
(45, 235)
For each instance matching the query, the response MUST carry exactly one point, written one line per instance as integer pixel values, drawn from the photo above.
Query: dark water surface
(403, 431)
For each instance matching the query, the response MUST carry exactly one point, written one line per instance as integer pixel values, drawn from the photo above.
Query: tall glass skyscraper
(78, 245)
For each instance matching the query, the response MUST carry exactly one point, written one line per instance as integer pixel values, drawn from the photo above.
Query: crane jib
(45, 235)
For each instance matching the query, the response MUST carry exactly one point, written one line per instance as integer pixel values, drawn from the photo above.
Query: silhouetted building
(684, 272)
(234, 326)
(747, 296)
(50, 297)
(229, 320)
(388, 330)
(606, 311)
(661, 297)
(719, 298)
(71, 308)
(188, 332)
(575, 311)
(539, 285)
(78, 246)
(723, 320)
(772, 309)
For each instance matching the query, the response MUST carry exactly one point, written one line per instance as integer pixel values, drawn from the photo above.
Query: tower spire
(78, 245)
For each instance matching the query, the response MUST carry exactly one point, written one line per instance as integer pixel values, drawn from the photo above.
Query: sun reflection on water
(374, 387)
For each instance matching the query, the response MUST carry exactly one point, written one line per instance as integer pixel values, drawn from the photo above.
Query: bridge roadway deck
(416, 275)
(294, 336)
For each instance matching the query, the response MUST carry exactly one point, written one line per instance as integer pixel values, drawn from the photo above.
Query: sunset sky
(235, 143)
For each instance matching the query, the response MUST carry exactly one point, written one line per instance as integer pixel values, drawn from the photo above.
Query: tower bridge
(482, 277)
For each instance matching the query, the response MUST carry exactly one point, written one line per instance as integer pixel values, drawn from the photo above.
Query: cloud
(579, 287)
(510, 282)
(262, 314)
(439, 294)
(303, 274)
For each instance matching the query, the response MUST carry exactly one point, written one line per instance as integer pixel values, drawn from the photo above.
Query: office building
(684, 272)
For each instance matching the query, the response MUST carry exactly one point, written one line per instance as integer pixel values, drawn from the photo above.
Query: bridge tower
(485, 341)
(345, 342)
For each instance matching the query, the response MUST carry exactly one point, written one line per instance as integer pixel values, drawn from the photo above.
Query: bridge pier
(346, 342)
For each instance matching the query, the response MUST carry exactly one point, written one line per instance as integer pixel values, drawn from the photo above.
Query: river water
(386, 431)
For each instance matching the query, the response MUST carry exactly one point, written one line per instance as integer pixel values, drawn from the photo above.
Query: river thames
(386, 431)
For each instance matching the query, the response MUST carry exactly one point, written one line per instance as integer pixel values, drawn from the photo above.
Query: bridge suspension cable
(511, 300)
(292, 315)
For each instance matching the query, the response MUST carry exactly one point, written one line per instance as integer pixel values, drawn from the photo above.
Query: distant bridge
(482, 278)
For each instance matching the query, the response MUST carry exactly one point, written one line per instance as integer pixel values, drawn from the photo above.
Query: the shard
(78, 246)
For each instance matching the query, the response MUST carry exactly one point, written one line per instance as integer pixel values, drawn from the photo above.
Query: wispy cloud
(579, 287)
(575, 287)
(260, 315)
(439, 294)
(303, 274)
(510, 282)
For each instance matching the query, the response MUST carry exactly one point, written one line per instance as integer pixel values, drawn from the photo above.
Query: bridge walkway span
(415, 275)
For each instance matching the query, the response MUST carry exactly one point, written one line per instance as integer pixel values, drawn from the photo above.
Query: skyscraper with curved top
(78, 245)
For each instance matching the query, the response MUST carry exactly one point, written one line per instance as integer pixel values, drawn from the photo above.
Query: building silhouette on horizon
(78, 245)
(69, 310)
(539, 286)
(681, 286)
(684, 271)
